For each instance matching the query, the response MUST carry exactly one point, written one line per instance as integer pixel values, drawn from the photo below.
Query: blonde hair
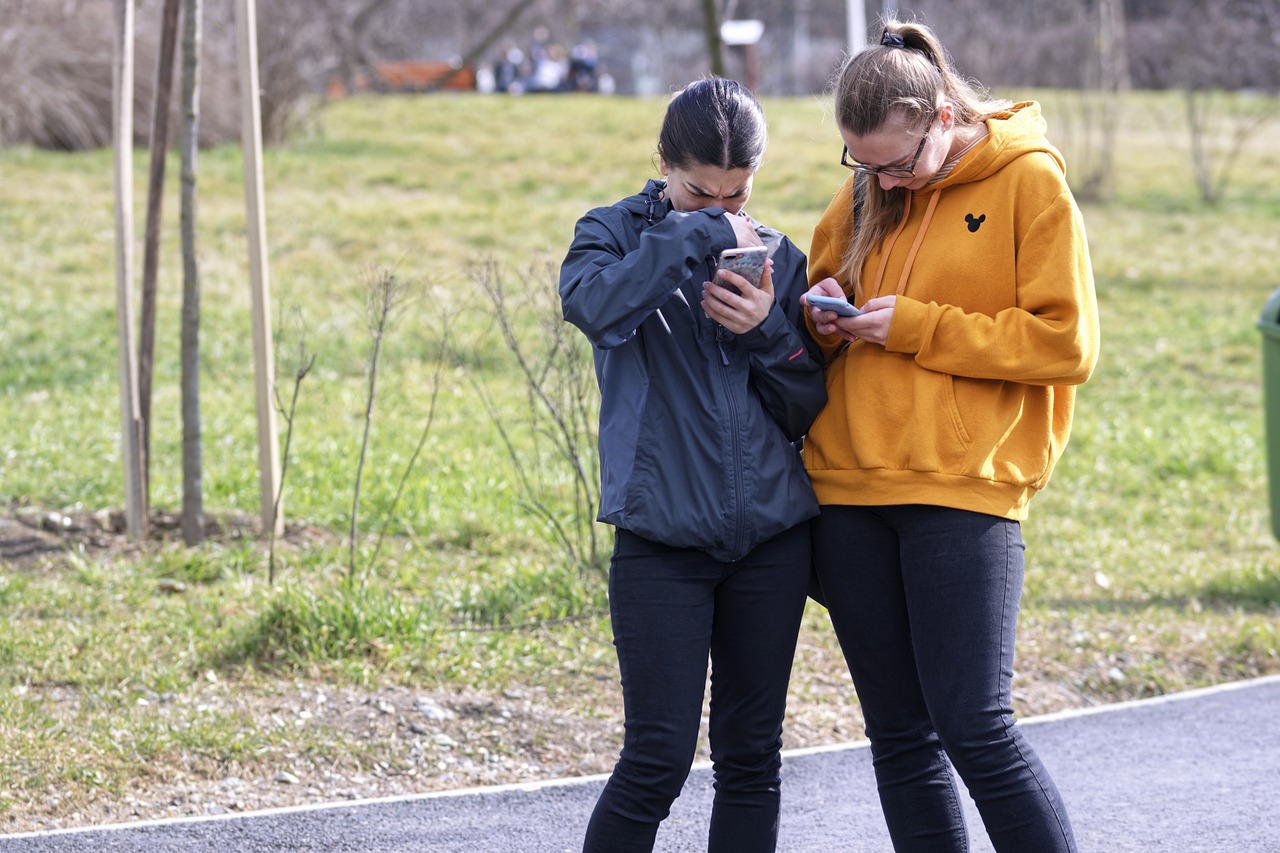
(907, 81)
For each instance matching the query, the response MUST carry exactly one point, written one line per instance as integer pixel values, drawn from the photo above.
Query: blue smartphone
(831, 303)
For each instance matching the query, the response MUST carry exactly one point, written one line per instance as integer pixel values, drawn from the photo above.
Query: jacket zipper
(738, 533)
(735, 471)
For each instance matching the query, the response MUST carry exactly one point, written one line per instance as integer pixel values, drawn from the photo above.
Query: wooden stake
(122, 131)
(264, 371)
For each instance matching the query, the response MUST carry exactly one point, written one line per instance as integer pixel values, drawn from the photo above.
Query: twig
(561, 409)
(441, 358)
(385, 294)
(305, 365)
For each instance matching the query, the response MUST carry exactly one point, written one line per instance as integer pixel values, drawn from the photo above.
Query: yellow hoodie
(969, 404)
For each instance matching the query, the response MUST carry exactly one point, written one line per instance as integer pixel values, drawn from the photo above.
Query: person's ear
(947, 113)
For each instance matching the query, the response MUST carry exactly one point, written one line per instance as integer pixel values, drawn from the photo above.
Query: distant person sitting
(582, 68)
(508, 71)
(550, 71)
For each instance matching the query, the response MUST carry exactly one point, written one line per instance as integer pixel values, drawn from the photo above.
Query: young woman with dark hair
(707, 385)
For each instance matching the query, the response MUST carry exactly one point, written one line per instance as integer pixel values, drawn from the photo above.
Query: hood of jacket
(648, 203)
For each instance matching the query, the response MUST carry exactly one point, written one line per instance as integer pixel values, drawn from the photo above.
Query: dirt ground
(30, 536)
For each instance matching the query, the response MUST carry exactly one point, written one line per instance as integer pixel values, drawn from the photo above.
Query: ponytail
(905, 75)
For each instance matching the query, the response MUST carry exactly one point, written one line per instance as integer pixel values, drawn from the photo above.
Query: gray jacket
(700, 428)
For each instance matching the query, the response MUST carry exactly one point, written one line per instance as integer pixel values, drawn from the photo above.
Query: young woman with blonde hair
(951, 399)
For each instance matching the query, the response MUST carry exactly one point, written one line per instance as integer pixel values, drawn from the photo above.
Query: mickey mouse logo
(975, 224)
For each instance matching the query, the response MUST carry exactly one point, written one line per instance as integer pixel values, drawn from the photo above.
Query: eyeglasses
(908, 171)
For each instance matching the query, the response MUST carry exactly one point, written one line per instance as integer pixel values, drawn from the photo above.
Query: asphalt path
(1194, 771)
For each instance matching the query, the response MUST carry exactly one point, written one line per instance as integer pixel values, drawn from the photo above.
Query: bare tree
(1221, 116)
(477, 51)
(302, 368)
(151, 240)
(56, 74)
(192, 464)
(1219, 125)
(437, 378)
(1092, 112)
(348, 28)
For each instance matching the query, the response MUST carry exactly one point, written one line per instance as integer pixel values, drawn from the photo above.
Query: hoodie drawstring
(652, 201)
(915, 245)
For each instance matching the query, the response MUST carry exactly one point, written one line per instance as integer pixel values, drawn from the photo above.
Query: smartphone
(746, 261)
(830, 303)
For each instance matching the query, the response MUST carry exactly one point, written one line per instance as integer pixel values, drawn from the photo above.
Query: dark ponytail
(713, 122)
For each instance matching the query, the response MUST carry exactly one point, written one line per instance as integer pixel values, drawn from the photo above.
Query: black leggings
(925, 602)
(670, 607)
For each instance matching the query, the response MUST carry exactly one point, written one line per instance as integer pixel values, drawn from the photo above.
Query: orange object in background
(409, 76)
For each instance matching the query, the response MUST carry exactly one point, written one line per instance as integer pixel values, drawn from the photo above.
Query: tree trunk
(481, 47)
(192, 465)
(715, 50)
(151, 244)
(349, 34)
(1114, 35)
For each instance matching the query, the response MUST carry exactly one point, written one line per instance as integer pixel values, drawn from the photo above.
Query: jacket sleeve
(786, 364)
(1051, 337)
(608, 291)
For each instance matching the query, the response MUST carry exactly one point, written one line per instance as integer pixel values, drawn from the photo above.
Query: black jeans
(670, 608)
(925, 603)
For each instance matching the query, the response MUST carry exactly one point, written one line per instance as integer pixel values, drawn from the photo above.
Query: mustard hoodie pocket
(891, 415)
(1012, 428)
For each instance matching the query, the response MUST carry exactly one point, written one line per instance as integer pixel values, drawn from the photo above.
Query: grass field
(1151, 566)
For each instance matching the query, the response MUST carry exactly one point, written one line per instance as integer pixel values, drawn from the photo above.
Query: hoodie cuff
(909, 327)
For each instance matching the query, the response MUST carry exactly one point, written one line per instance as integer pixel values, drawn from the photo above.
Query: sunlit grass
(1151, 566)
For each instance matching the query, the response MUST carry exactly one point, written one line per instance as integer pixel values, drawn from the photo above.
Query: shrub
(56, 65)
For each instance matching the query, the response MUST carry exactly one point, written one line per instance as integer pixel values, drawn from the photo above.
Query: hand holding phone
(746, 261)
(831, 303)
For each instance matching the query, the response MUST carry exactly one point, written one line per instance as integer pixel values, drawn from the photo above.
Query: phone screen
(830, 303)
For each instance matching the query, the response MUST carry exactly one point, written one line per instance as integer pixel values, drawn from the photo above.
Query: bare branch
(436, 381)
(305, 361)
(562, 404)
(385, 295)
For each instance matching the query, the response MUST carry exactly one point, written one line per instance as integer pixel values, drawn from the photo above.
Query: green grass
(1151, 566)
